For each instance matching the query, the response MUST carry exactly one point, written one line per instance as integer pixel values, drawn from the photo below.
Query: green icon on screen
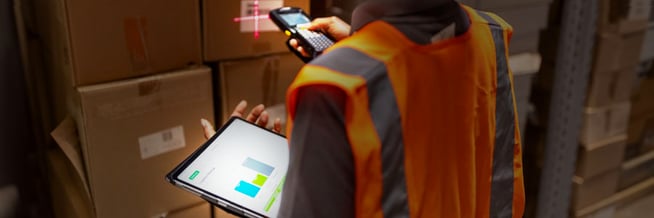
(260, 180)
(195, 174)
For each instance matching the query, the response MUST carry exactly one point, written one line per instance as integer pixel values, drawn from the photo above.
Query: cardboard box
(132, 133)
(202, 210)
(261, 80)
(623, 16)
(99, 41)
(607, 212)
(611, 87)
(592, 190)
(226, 38)
(641, 135)
(604, 122)
(647, 52)
(639, 207)
(642, 102)
(614, 52)
(600, 157)
(220, 213)
(637, 170)
(619, 199)
(69, 199)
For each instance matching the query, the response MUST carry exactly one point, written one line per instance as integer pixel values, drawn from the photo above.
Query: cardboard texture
(623, 197)
(262, 80)
(604, 122)
(220, 213)
(608, 212)
(223, 38)
(135, 131)
(641, 135)
(637, 170)
(611, 87)
(592, 190)
(203, 210)
(600, 157)
(90, 42)
(623, 16)
(614, 52)
(68, 195)
(642, 102)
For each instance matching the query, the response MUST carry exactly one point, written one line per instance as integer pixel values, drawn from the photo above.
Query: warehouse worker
(412, 115)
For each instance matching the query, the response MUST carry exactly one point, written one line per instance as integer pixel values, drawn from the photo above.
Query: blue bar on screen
(247, 189)
(258, 166)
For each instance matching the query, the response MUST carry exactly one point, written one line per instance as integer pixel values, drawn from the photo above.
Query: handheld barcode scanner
(294, 22)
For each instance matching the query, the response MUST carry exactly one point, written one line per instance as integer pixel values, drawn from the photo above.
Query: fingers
(332, 26)
(240, 109)
(277, 125)
(322, 23)
(208, 128)
(258, 115)
(255, 113)
(263, 119)
(295, 44)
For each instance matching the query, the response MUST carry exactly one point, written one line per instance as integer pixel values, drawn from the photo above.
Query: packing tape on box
(135, 39)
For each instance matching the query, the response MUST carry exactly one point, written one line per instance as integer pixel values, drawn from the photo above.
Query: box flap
(65, 135)
(68, 195)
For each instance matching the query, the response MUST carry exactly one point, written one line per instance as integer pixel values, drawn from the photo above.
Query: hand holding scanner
(294, 22)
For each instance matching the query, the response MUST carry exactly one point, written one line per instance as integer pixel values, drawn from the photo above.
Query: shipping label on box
(254, 15)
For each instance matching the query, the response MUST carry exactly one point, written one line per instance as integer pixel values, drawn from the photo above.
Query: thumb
(208, 129)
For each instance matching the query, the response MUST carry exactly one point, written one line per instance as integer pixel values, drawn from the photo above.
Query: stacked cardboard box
(603, 138)
(259, 80)
(252, 60)
(129, 134)
(128, 73)
(232, 29)
(621, 33)
(639, 164)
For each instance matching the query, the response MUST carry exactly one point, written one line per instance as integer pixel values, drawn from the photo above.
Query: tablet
(240, 169)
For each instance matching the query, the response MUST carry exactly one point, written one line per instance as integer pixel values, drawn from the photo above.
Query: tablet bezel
(208, 196)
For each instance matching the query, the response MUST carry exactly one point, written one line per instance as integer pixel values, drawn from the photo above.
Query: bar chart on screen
(261, 171)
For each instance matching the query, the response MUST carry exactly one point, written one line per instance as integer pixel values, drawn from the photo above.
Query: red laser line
(256, 19)
(248, 18)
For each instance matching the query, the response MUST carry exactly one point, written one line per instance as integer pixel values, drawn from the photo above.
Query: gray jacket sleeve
(320, 179)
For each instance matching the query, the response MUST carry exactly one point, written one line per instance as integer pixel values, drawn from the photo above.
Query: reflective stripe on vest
(502, 182)
(386, 118)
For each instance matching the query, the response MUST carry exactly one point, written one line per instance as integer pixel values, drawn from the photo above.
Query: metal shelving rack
(573, 66)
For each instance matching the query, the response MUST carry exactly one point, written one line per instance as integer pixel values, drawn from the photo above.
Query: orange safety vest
(433, 128)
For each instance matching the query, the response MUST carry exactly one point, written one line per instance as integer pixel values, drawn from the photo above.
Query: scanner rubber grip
(297, 53)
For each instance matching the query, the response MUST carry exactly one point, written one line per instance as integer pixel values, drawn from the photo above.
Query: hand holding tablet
(241, 168)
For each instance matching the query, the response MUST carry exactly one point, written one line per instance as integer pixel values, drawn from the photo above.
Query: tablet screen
(245, 165)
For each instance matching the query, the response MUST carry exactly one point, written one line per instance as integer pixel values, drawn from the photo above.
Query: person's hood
(370, 10)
